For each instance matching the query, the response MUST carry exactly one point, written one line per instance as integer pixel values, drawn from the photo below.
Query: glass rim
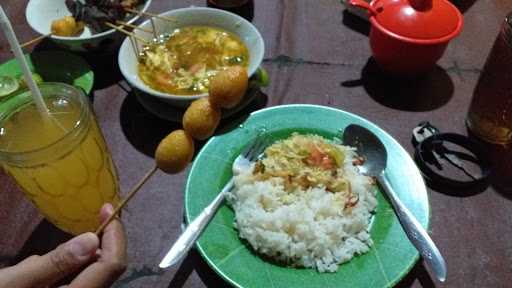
(79, 97)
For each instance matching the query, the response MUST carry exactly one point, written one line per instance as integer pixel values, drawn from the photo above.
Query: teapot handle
(365, 5)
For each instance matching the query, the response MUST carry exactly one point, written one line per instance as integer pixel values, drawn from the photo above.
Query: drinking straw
(16, 49)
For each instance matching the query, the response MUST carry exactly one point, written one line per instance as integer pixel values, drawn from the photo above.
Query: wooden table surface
(315, 53)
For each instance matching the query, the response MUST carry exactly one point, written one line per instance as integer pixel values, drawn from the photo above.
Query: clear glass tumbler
(61, 162)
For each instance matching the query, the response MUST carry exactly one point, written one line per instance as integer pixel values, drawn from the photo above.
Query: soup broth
(190, 56)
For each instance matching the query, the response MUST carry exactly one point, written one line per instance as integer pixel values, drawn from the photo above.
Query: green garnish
(263, 79)
(236, 60)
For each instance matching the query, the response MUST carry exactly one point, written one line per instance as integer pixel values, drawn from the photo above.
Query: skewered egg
(174, 152)
(228, 87)
(201, 119)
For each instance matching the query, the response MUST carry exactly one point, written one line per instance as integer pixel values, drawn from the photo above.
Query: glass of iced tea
(61, 162)
(490, 113)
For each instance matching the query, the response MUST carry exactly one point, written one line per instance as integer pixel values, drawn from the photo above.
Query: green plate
(391, 256)
(54, 66)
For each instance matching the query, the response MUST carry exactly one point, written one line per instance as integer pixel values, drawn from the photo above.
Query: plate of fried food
(84, 25)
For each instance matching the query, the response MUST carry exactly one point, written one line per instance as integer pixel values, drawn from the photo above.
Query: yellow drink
(62, 164)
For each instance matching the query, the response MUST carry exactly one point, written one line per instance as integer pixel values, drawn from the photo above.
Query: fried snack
(174, 152)
(228, 87)
(201, 119)
(67, 27)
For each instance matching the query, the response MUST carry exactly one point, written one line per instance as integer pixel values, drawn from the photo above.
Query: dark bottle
(490, 113)
(244, 8)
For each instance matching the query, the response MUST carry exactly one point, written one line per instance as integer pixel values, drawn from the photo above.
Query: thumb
(64, 260)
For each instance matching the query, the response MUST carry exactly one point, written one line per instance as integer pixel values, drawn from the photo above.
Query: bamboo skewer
(149, 14)
(121, 23)
(118, 28)
(134, 46)
(37, 39)
(132, 193)
(153, 26)
(126, 32)
(134, 26)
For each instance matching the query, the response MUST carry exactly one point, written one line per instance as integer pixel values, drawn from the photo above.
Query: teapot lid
(418, 19)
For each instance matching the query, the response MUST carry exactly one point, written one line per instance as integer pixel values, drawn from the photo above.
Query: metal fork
(196, 227)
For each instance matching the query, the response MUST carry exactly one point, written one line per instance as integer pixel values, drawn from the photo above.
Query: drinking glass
(490, 113)
(61, 162)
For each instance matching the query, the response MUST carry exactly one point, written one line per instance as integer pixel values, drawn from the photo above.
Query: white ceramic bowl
(41, 13)
(251, 37)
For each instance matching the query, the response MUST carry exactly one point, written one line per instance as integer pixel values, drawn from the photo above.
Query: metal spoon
(371, 148)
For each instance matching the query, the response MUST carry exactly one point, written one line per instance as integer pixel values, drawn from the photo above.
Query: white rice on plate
(305, 216)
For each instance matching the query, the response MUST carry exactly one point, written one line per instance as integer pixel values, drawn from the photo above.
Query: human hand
(101, 264)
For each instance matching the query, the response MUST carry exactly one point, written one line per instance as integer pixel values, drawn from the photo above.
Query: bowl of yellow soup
(192, 45)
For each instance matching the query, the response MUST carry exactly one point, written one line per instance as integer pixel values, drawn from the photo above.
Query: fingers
(40, 271)
(112, 261)
(105, 212)
(113, 241)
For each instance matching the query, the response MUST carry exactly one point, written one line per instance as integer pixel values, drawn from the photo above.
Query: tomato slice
(319, 158)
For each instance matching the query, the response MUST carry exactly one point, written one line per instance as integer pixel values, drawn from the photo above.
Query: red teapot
(407, 37)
